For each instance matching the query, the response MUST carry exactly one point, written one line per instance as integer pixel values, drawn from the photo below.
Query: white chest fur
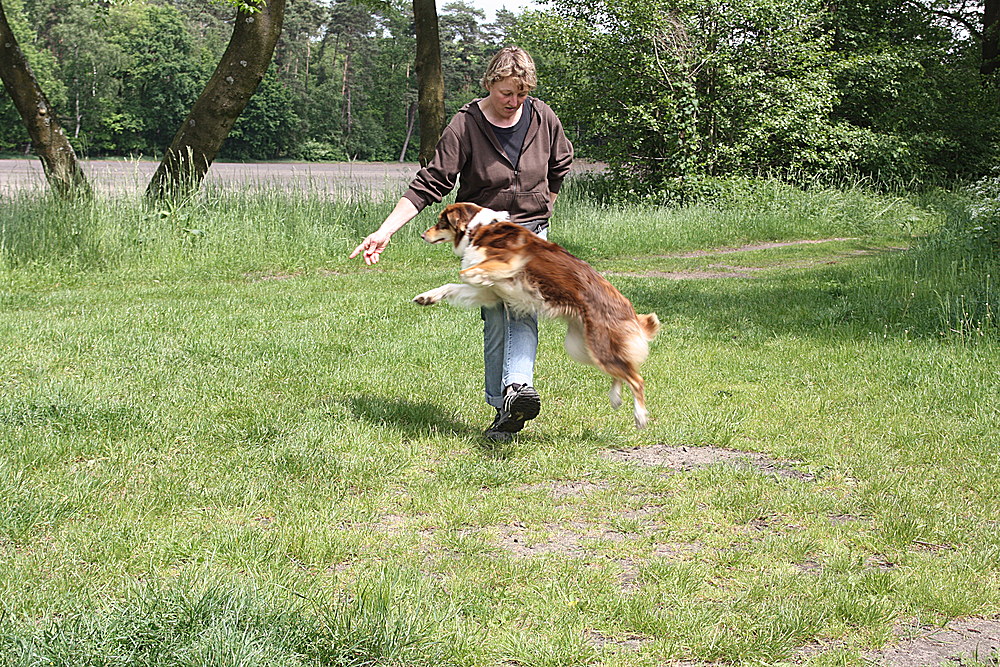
(471, 255)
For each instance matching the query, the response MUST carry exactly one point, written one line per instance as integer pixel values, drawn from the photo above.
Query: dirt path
(752, 247)
(719, 271)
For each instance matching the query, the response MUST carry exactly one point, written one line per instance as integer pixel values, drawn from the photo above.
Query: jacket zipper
(527, 141)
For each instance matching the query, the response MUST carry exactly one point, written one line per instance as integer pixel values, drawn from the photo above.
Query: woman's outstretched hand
(373, 246)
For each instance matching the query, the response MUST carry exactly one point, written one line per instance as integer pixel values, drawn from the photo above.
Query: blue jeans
(510, 344)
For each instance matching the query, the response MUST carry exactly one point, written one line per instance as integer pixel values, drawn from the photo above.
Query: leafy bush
(662, 89)
(268, 127)
(984, 210)
(321, 151)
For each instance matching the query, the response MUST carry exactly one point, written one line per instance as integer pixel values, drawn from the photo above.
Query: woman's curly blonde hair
(511, 61)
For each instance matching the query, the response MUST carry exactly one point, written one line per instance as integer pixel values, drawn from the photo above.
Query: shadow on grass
(409, 418)
(881, 294)
(421, 419)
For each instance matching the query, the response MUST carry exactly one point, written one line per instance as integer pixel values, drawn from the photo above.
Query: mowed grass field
(223, 443)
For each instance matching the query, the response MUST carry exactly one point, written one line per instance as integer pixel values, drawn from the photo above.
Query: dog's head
(457, 221)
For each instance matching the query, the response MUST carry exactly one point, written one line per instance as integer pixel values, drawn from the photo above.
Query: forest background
(662, 90)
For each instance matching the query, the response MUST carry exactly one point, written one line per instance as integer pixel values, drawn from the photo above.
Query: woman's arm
(376, 242)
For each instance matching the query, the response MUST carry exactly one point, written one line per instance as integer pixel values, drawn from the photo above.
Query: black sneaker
(520, 404)
(495, 434)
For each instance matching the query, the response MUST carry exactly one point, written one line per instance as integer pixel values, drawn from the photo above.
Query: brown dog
(504, 262)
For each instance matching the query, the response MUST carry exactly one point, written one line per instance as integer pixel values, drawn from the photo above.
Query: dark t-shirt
(512, 138)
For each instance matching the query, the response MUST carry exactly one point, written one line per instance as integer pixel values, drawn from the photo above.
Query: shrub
(321, 151)
(984, 211)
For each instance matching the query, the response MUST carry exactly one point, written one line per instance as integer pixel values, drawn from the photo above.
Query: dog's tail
(650, 325)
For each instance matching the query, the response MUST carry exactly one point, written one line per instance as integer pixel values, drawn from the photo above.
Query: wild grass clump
(733, 212)
(215, 232)
(209, 621)
(984, 212)
(945, 284)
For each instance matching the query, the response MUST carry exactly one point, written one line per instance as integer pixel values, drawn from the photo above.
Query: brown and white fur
(502, 261)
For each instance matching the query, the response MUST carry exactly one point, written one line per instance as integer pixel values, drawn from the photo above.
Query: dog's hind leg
(619, 356)
(616, 394)
(576, 342)
(638, 387)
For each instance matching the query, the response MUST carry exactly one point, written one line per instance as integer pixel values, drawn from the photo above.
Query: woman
(512, 155)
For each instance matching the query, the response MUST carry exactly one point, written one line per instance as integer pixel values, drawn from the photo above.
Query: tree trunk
(51, 145)
(234, 82)
(430, 80)
(991, 38)
(411, 116)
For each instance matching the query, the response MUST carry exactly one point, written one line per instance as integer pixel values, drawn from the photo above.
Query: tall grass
(945, 284)
(262, 225)
(206, 621)
(217, 231)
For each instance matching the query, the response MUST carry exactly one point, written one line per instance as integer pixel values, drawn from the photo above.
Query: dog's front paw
(428, 298)
(616, 394)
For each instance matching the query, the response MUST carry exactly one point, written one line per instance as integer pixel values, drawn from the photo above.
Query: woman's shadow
(413, 419)
(408, 417)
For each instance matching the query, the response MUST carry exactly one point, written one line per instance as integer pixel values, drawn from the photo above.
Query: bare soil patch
(580, 540)
(682, 458)
(957, 643)
(571, 541)
(561, 490)
(713, 272)
(723, 271)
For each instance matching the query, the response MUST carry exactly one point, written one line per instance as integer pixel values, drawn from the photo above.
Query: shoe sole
(524, 407)
(498, 436)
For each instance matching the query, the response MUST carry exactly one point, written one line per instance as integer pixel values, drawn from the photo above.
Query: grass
(225, 444)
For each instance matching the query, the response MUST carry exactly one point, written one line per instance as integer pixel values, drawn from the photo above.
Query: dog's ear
(457, 216)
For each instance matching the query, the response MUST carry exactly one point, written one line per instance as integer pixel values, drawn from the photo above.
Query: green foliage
(44, 65)
(92, 64)
(671, 93)
(268, 127)
(160, 78)
(665, 89)
(122, 75)
(320, 151)
(910, 90)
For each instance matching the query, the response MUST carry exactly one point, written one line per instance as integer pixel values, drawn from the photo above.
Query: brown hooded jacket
(469, 153)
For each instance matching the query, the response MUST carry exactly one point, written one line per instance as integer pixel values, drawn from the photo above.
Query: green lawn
(222, 443)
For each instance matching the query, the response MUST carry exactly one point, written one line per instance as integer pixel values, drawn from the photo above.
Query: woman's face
(506, 96)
